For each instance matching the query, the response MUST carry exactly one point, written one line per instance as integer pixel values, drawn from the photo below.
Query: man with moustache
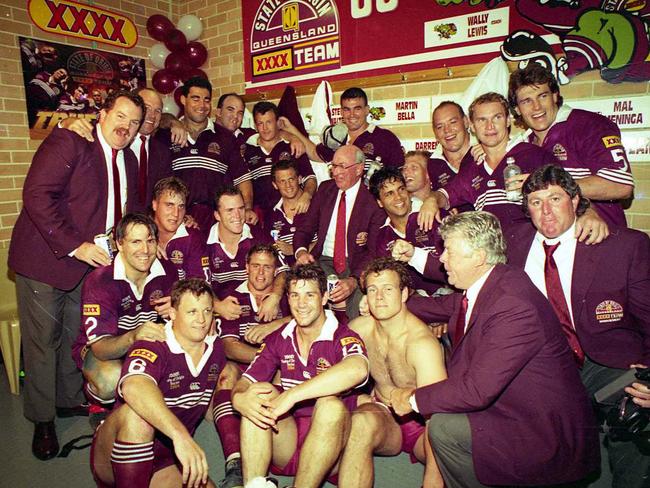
(211, 158)
(586, 144)
(346, 219)
(372, 140)
(74, 191)
(154, 158)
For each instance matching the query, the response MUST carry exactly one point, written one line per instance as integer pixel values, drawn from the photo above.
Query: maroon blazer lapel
(584, 273)
(98, 160)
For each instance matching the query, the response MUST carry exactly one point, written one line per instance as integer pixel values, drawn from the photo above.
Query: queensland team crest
(322, 365)
(609, 311)
(176, 257)
(154, 296)
(368, 149)
(560, 152)
(214, 148)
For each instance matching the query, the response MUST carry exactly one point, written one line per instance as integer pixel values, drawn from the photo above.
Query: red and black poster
(66, 81)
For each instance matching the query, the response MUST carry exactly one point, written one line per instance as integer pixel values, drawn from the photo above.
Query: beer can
(104, 241)
(275, 234)
(332, 281)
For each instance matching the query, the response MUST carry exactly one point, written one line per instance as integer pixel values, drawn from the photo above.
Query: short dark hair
(382, 176)
(378, 265)
(260, 108)
(135, 218)
(171, 184)
(307, 272)
(354, 92)
(552, 174)
(195, 286)
(489, 97)
(532, 75)
(222, 99)
(263, 249)
(109, 103)
(453, 104)
(284, 164)
(198, 82)
(229, 190)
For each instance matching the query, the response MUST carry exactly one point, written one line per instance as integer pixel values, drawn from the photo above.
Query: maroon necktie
(339, 237)
(117, 194)
(556, 297)
(142, 171)
(460, 322)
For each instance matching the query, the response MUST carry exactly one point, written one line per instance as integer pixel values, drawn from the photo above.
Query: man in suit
(607, 286)
(513, 410)
(346, 218)
(154, 158)
(74, 191)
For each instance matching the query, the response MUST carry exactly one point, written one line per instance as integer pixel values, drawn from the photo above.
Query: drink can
(104, 241)
(275, 234)
(332, 281)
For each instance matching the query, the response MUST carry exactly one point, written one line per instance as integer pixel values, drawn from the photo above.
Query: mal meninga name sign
(626, 112)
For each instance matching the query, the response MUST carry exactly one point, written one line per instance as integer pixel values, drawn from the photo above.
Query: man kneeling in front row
(320, 363)
(163, 394)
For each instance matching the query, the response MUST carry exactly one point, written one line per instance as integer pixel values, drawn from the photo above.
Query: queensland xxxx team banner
(302, 41)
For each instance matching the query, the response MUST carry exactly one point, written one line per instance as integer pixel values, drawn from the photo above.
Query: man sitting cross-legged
(302, 426)
(163, 393)
(402, 351)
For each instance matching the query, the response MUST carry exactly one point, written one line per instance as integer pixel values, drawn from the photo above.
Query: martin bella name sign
(83, 21)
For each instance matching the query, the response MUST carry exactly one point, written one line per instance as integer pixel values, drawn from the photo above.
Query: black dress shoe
(45, 444)
(76, 411)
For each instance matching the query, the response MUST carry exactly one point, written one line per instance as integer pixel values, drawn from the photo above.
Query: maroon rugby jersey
(483, 188)
(112, 306)
(280, 352)
(212, 161)
(242, 135)
(228, 272)
(237, 328)
(374, 142)
(259, 165)
(186, 252)
(429, 241)
(589, 144)
(186, 388)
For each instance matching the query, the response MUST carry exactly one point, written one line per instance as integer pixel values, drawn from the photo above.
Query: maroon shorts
(412, 427)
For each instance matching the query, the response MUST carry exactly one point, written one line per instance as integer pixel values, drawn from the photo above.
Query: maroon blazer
(363, 228)
(159, 166)
(610, 294)
(513, 375)
(64, 205)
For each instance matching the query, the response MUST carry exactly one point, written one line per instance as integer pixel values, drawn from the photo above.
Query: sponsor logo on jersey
(476, 182)
(195, 385)
(368, 149)
(322, 365)
(144, 354)
(205, 261)
(91, 309)
(194, 151)
(611, 141)
(126, 303)
(174, 379)
(214, 148)
(491, 183)
(234, 264)
(560, 152)
(609, 311)
(306, 374)
(290, 361)
(176, 257)
(350, 340)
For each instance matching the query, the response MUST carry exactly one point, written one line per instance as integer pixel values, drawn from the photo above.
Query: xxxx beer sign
(83, 21)
(293, 37)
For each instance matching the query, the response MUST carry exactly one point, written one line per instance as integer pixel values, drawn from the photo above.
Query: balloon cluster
(178, 56)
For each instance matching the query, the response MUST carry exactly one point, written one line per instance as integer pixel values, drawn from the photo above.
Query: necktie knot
(549, 249)
(114, 154)
(143, 138)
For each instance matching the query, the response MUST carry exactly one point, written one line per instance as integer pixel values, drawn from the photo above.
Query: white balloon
(191, 26)
(158, 54)
(170, 106)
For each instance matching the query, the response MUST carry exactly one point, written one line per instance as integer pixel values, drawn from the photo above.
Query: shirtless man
(402, 351)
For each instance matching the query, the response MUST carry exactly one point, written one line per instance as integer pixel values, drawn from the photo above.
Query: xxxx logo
(84, 21)
(272, 62)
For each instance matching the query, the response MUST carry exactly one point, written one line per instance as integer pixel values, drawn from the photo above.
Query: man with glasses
(346, 218)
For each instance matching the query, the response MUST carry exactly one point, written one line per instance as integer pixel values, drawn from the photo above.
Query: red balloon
(164, 81)
(196, 54)
(159, 26)
(175, 41)
(177, 64)
(194, 73)
(177, 96)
